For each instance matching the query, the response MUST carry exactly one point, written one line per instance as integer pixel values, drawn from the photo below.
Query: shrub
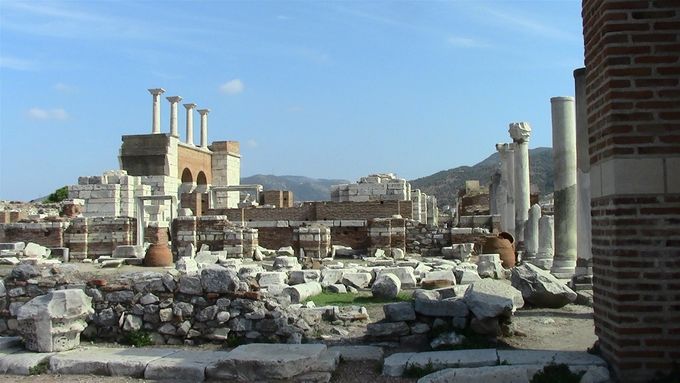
(556, 373)
(137, 338)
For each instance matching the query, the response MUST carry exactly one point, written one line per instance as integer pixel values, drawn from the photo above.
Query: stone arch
(187, 177)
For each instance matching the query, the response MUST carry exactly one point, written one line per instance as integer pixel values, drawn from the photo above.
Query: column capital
(203, 111)
(190, 106)
(520, 131)
(174, 99)
(157, 91)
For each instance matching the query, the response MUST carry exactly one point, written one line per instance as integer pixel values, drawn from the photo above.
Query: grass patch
(556, 373)
(39, 368)
(416, 372)
(137, 338)
(361, 298)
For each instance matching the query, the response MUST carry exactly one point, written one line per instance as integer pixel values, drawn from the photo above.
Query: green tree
(58, 195)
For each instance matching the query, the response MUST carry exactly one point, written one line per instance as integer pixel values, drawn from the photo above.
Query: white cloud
(464, 42)
(251, 143)
(234, 86)
(17, 63)
(41, 114)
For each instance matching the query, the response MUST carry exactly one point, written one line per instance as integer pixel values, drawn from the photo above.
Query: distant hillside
(445, 184)
(303, 188)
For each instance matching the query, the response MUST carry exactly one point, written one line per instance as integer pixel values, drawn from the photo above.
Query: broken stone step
(190, 366)
(267, 362)
(359, 353)
(130, 362)
(545, 357)
(17, 361)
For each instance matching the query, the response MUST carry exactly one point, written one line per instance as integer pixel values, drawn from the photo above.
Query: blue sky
(328, 89)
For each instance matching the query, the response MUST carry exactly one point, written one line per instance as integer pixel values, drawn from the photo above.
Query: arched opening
(186, 176)
(201, 179)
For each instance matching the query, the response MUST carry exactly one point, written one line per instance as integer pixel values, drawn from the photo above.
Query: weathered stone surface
(438, 278)
(296, 277)
(447, 339)
(286, 263)
(53, 322)
(266, 362)
(386, 286)
(337, 288)
(540, 288)
(490, 266)
(457, 358)
(183, 365)
(186, 265)
(395, 364)
(24, 272)
(405, 274)
(387, 329)
(33, 250)
(357, 280)
(206, 258)
(106, 361)
(490, 374)
(359, 353)
(400, 311)
(490, 298)
(429, 303)
(128, 251)
(218, 279)
(20, 362)
(266, 279)
(190, 284)
(299, 293)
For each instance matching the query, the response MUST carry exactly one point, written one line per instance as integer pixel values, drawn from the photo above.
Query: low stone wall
(48, 234)
(174, 309)
(97, 236)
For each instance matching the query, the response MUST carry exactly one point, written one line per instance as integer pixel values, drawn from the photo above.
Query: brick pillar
(632, 57)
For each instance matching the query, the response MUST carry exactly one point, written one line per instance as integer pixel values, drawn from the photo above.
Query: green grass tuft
(556, 373)
(361, 298)
(137, 338)
(39, 368)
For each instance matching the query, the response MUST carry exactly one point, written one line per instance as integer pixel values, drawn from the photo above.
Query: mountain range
(444, 184)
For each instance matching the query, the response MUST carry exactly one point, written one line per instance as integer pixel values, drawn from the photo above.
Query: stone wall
(48, 234)
(226, 169)
(216, 232)
(92, 237)
(632, 57)
(318, 211)
(376, 187)
(174, 309)
(196, 160)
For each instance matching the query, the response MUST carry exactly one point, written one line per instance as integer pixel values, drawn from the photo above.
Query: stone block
(184, 365)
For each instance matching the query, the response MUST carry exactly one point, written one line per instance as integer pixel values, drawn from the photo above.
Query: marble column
(564, 163)
(531, 233)
(204, 127)
(546, 242)
(584, 253)
(173, 114)
(190, 123)
(520, 133)
(156, 116)
(507, 187)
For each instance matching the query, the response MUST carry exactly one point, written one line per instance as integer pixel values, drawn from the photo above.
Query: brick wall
(96, 236)
(196, 160)
(48, 234)
(632, 57)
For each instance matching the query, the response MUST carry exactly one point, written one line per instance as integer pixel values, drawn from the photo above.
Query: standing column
(531, 233)
(204, 127)
(520, 132)
(156, 115)
(584, 269)
(564, 162)
(173, 114)
(190, 123)
(507, 209)
(546, 242)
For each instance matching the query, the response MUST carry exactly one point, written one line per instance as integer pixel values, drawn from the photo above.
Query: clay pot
(158, 255)
(503, 246)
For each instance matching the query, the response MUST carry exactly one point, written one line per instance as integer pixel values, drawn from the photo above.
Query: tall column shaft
(520, 133)
(546, 242)
(173, 114)
(564, 163)
(204, 127)
(584, 235)
(156, 112)
(506, 188)
(531, 232)
(190, 123)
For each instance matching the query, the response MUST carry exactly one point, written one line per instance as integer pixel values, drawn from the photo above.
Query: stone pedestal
(546, 242)
(564, 159)
(520, 133)
(53, 322)
(531, 233)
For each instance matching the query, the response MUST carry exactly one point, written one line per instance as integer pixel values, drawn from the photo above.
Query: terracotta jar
(502, 245)
(158, 255)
